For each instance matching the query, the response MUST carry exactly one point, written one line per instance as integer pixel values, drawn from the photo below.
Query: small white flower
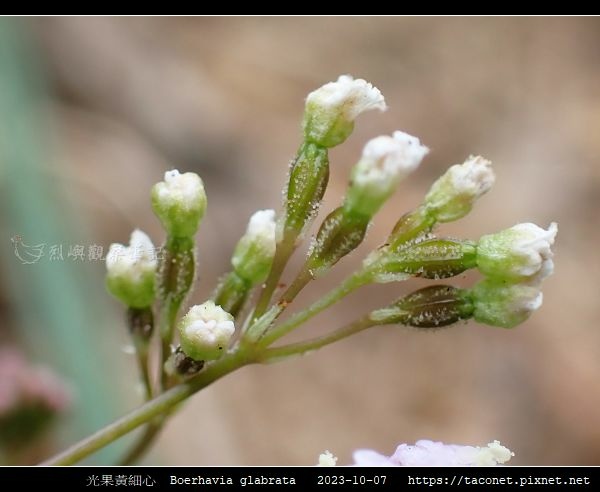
(430, 453)
(388, 158)
(185, 189)
(332, 108)
(385, 162)
(327, 459)
(206, 331)
(347, 95)
(255, 250)
(131, 270)
(520, 252)
(136, 259)
(261, 228)
(497, 303)
(179, 202)
(452, 196)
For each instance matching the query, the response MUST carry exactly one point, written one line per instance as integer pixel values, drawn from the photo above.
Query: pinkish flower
(23, 385)
(430, 453)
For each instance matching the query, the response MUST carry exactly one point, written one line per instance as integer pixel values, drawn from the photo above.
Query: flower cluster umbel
(513, 262)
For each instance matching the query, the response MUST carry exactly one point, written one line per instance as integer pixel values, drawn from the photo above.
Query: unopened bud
(505, 305)
(452, 196)
(131, 271)
(518, 253)
(385, 162)
(206, 331)
(179, 202)
(254, 252)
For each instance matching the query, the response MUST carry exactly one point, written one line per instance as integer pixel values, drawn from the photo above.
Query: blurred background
(94, 110)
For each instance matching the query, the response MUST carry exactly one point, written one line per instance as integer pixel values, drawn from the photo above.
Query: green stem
(160, 405)
(231, 293)
(284, 250)
(303, 278)
(278, 353)
(168, 318)
(143, 443)
(176, 276)
(351, 283)
(261, 325)
(406, 229)
(141, 349)
(309, 174)
(141, 326)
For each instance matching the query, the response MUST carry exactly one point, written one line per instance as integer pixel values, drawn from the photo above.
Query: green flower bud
(205, 331)
(452, 196)
(385, 162)
(131, 271)
(518, 253)
(431, 307)
(331, 109)
(179, 202)
(254, 252)
(497, 303)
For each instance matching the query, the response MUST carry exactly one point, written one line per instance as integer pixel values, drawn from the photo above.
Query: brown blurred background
(124, 99)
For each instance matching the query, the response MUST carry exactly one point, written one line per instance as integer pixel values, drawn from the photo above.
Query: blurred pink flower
(430, 453)
(23, 385)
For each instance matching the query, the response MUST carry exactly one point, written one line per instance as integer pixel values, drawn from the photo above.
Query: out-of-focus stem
(160, 405)
(143, 443)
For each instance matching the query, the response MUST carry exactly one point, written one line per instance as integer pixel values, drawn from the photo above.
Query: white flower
(185, 189)
(497, 303)
(332, 108)
(131, 270)
(327, 459)
(386, 159)
(523, 251)
(136, 259)
(348, 96)
(545, 270)
(452, 196)
(254, 252)
(430, 453)
(206, 331)
(261, 228)
(385, 162)
(179, 202)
